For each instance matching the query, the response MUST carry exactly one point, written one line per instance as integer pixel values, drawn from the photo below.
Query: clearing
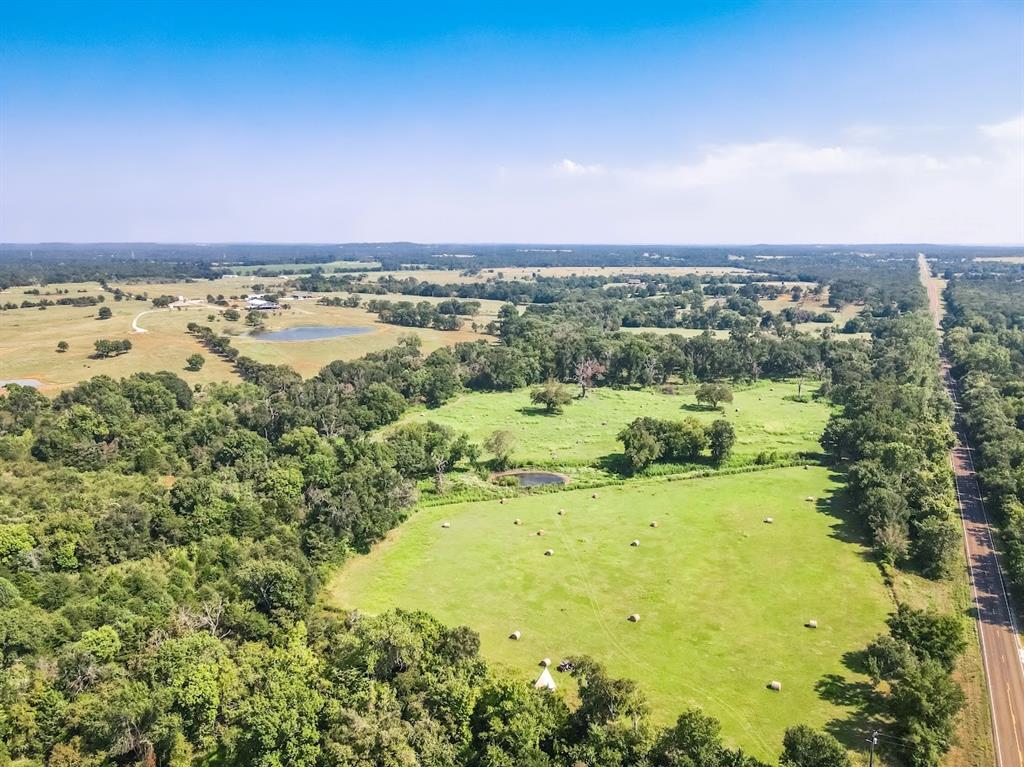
(722, 596)
(766, 417)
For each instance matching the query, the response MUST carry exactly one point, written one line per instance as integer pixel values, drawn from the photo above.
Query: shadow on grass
(615, 463)
(864, 703)
(536, 410)
(848, 527)
(692, 407)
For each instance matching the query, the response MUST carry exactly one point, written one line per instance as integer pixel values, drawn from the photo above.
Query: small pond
(310, 333)
(529, 478)
(21, 382)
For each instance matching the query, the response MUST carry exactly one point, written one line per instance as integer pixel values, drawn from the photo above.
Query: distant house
(260, 304)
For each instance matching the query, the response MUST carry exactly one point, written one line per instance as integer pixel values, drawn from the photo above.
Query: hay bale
(514, 636)
(549, 553)
(634, 542)
(540, 533)
(518, 521)
(594, 495)
(775, 685)
(545, 662)
(809, 498)
(502, 501)
(561, 512)
(654, 523)
(446, 524)
(634, 618)
(812, 624)
(768, 520)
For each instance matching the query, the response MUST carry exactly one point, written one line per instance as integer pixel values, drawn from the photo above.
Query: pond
(528, 478)
(310, 333)
(21, 382)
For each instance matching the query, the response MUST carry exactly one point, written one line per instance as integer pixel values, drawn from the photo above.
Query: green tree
(722, 437)
(63, 346)
(104, 313)
(937, 546)
(500, 444)
(232, 315)
(713, 393)
(803, 746)
(932, 635)
(924, 705)
(277, 716)
(195, 362)
(640, 446)
(552, 395)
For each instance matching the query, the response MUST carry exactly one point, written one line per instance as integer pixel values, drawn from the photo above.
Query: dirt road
(996, 626)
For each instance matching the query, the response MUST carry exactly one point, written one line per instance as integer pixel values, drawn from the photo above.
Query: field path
(996, 626)
(135, 321)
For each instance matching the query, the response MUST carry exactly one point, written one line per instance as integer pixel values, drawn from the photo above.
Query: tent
(544, 681)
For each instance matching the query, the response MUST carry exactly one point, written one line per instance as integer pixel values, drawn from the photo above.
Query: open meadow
(766, 417)
(160, 340)
(722, 596)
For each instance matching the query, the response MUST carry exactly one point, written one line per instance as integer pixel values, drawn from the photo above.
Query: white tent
(544, 681)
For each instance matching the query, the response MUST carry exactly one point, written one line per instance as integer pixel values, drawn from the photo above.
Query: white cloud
(1008, 130)
(570, 168)
(785, 159)
(781, 190)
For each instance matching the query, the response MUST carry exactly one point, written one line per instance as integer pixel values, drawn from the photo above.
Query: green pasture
(765, 415)
(722, 596)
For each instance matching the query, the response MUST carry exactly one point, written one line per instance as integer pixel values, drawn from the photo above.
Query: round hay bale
(634, 543)
(634, 618)
(654, 523)
(514, 636)
(812, 624)
(561, 512)
(809, 498)
(518, 521)
(594, 495)
(540, 533)
(502, 501)
(775, 685)
(769, 520)
(446, 524)
(549, 553)
(545, 662)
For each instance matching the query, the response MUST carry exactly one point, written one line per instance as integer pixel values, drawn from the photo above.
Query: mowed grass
(722, 596)
(765, 416)
(29, 337)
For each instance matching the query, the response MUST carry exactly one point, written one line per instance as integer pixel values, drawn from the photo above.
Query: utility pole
(873, 740)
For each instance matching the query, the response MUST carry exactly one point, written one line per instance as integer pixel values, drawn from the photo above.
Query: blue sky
(627, 122)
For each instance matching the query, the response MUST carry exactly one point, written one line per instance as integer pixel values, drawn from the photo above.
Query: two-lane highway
(997, 629)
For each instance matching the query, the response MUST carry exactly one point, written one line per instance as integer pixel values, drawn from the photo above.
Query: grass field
(29, 337)
(764, 419)
(308, 357)
(723, 597)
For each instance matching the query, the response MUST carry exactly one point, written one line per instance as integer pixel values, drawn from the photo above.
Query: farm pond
(310, 333)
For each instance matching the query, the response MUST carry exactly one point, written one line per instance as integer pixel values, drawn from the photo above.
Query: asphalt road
(997, 629)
